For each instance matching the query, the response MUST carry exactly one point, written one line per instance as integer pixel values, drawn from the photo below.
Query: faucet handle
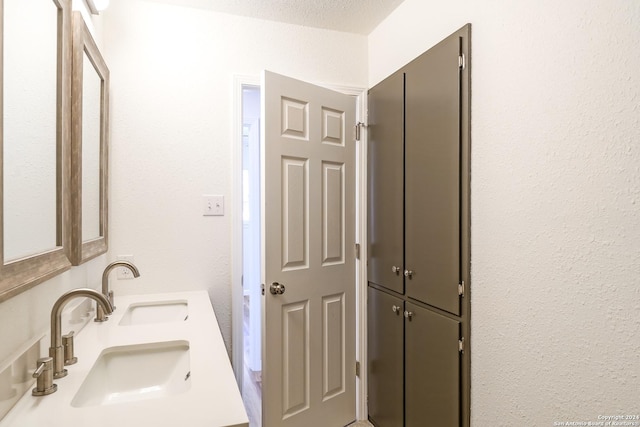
(44, 375)
(40, 368)
(67, 343)
(110, 298)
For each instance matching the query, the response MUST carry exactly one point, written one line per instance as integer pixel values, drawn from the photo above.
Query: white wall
(26, 316)
(555, 200)
(172, 71)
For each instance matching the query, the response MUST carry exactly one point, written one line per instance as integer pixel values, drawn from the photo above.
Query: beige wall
(555, 200)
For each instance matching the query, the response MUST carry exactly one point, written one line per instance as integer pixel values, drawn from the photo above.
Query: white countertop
(212, 400)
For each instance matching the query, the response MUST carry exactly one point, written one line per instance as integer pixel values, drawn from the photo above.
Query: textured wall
(555, 200)
(172, 72)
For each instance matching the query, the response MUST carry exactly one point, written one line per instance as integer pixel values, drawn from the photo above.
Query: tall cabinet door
(385, 353)
(385, 185)
(432, 181)
(432, 363)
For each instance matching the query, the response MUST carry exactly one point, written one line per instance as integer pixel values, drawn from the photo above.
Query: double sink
(140, 371)
(159, 360)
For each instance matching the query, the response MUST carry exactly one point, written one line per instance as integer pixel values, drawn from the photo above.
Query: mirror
(89, 146)
(35, 69)
(91, 106)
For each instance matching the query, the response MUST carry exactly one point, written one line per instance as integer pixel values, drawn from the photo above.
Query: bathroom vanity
(159, 360)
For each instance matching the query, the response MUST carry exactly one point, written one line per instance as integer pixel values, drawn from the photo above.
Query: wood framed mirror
(89, 146)
(35, 108)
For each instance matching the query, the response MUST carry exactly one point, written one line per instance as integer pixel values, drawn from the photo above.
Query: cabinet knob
(396, 270)
(408, 314)
(408, 273)
(396, 309)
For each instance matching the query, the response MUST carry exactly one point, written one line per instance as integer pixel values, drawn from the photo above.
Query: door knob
(408, 273)
(276, 288)
(396, 270)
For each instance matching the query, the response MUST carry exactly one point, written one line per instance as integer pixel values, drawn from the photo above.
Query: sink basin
(155, 312)
(136, 372)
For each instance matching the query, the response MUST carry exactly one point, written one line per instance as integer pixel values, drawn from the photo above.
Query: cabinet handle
(396, 270)
(408, 314)
(396, 309)
(408, 273)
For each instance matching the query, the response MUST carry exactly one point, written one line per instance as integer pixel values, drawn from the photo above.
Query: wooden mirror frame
(19, 275)
(83, 43)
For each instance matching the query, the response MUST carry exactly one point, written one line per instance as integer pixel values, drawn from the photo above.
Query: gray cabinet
(414, 364)
(414, 188)
(385, 355)
(418, 231)
(432, 363)
(386, 183)
(432, 177)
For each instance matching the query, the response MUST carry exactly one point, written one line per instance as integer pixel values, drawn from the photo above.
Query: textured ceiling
(354, 16)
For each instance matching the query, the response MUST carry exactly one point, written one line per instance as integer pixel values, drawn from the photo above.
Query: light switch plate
(213, 205)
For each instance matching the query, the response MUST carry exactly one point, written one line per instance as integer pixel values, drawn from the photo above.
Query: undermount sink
(155, 312)
(136, 372)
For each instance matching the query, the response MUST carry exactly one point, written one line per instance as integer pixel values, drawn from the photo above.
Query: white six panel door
(309, 234)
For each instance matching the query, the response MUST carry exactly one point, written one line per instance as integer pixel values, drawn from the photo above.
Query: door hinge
(461, 345)
(357, 369)
(358, 128)
(357, 250)
(461, 288)
(462, 61)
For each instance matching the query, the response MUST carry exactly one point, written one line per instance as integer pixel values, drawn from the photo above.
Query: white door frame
(361, 236)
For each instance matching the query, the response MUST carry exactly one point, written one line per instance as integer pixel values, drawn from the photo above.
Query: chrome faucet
(100, 315)
(56, 351)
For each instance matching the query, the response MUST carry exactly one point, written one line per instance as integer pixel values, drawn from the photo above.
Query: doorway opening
(246, 268)
(251, 287)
